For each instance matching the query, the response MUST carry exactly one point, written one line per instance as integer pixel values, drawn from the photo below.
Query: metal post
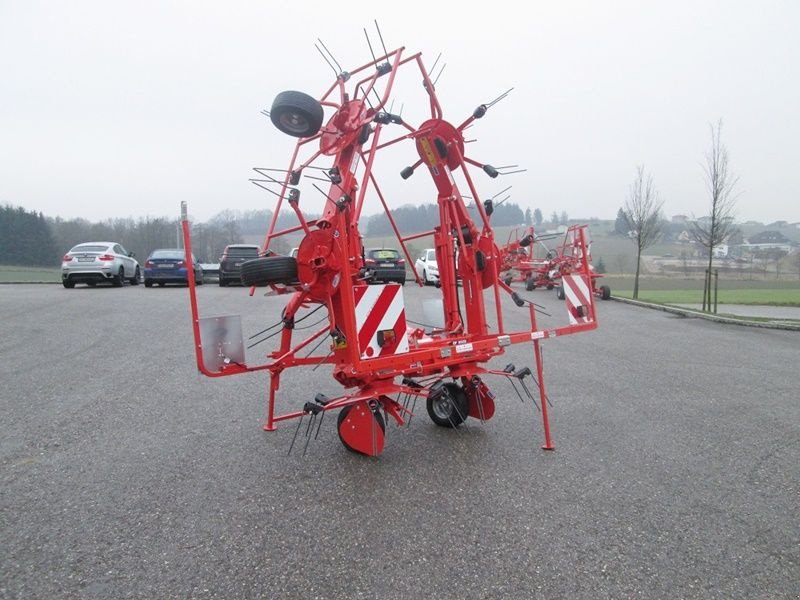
(716, 288)
(705, 289)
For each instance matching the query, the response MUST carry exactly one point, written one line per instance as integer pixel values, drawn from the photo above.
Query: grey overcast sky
(115, 109)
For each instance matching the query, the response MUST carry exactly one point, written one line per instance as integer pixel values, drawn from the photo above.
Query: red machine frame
(382, 378)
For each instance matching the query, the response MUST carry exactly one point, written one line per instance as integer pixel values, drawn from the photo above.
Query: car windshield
(431, 255)
(384, 254)
(242, 251)
(89, 248)
(174, 254)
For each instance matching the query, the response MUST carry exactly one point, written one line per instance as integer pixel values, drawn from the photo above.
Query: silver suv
(97, 262)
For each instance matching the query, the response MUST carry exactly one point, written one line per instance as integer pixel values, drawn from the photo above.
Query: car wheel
(296, 114)
(148, 283)
(135, 279)
(160, 284)
(605, 292)
(198, 278)
(425, 278)
(68, 284)
(119, 278)
(448, 407)
(222, 282)
(269, 269)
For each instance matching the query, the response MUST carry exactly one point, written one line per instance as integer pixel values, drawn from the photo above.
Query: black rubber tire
(605, 292)
(68, 284)
(269, 269)
(560, 293)
(119, 278)
(425, 277)
(148, 283)
(450, 407)
(222, 281)
(508, 280)
(530, 285)
(296, 114)
(343, 415)
(135, 279)
(199, 278)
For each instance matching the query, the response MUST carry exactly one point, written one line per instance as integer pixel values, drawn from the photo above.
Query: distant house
(767, 240)
(679, 219)
(768, 237)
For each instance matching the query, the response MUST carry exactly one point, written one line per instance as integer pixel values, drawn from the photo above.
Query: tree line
(29, 238)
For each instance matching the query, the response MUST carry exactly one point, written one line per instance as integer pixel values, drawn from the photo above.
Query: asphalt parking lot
(126, 474)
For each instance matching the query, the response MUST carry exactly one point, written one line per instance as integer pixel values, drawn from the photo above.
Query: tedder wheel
(605, 292)
(449, 407)
(560, 293)
(342, 423)
(269, 269)
(529, 283)
(508, 280)
(296, 114)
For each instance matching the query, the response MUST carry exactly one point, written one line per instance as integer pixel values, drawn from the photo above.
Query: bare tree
(642, 214)
(713, 231)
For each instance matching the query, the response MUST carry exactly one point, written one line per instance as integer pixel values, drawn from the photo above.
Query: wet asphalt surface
(126, 474)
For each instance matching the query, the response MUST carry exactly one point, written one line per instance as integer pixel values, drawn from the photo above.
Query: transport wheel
(449, 407)
(135, 279)
(296, 114)
(119, 278)
(508, 280)
(356, 426)
(530, 285)
(560, 293)
(269, 269)
(605, 292)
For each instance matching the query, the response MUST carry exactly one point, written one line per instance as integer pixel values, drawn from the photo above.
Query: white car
(427, 268)
(97, 262)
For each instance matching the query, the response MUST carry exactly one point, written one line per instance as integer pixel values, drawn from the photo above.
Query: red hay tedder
(521, 262)
(382, 362)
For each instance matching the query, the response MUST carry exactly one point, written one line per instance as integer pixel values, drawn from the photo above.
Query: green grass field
(671, 290)
(11, 274)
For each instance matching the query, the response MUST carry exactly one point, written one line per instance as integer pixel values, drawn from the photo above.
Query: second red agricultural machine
(383, 362)
(522, 261)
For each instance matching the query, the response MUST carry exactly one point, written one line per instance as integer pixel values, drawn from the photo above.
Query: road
(126, 474)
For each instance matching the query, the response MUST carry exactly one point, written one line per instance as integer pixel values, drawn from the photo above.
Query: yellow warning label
(429, 153)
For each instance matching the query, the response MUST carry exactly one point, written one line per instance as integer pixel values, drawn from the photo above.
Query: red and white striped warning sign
(578, 296)
(380, 320)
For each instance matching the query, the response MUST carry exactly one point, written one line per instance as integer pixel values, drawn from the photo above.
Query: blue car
(168, 265)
